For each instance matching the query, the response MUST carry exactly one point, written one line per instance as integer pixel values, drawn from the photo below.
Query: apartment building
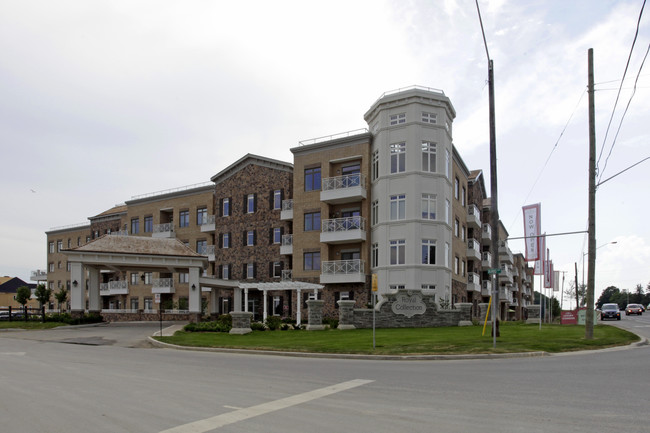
(396, 200)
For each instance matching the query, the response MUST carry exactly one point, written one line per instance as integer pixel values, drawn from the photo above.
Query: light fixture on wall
(193, 287)
(142, 277)
(74, 283)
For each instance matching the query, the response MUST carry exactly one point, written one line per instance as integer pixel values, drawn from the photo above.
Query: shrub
(215, 326)
(68, 319)
(273, 322)
(331, 322)
(258, 326)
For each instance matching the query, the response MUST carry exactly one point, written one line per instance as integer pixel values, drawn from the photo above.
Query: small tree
(61, 296)
(23, 293)
(42, 294)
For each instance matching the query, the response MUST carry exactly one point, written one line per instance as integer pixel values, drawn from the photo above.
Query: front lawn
(515, 337)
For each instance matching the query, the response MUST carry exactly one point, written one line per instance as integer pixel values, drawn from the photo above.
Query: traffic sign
(494, 271)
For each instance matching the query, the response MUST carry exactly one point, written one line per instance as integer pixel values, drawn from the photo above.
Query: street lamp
(583, 260)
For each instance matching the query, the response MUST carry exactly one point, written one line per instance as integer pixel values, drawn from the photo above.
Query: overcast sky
(104, 100)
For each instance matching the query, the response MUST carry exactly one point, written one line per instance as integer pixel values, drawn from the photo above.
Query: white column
(195, 290)
(246, 300)
(265, 304)
(77, 292)
(237, 300)
(298, 304)
(94, 300)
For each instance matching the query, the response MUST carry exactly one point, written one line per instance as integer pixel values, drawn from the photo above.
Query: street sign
(494, 271)
(374, 282)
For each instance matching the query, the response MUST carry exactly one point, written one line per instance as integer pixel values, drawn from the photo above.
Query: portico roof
(281, 285)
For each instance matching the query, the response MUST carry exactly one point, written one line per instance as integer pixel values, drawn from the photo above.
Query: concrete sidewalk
(169, 331)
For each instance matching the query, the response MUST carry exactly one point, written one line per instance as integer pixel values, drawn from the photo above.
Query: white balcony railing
(208, 224)
(486, 260)
(38, 275)
(287, 210)
(474, 216)
(286, 246)
(287, 275)
(163, 285)
(474, 249)
(343, 189)
(114, 288)
(344, 224)
(486, 232)
(346, 181)
(163, 230)
(343, 271)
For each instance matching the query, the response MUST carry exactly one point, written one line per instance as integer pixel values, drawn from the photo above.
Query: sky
(105, 100)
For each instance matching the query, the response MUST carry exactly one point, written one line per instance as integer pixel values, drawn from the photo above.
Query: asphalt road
(107, 379)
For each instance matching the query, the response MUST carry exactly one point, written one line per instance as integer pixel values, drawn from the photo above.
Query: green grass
(19, 324)
(515, 337)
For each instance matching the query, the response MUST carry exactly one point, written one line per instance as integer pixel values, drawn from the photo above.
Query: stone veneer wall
(146, 317)
(385, 317)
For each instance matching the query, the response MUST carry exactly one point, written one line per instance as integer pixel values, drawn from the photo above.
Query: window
(462, 232)
(276, 269)
(58, 265)
(456, 188)
(462, 267)
(201, 246)
(277, 199)
(456, 228)
(148, 224)
(250, 203)
(277, 235)
(429, 287)
(428, 206)
(375, 165)
(374, 212)
(396, 286)
(148, 304)
(134, 304)
(135, 226)
(311, 261)
(447, 208)
(447, 163)
(68, 266)
(225, 240)
(225, 272)
(250, 270)
(250, 238)
(69, 242)
(312, 179)
(59, 246)
(312, 221)
(397, 207)
(429, 156)
(428, 252)
(134, 278)
(147, 277)
(429, 118)
(396, 119)
(79, 241)
(87, 239)
(398, 157)
(446, 254)
(50, 247)
(397, 251)
(225, 207)
(184, 218)
(201, 216)
(374, 255)
(51, 267)
(183, 277)
(456, 267)
(463, 194)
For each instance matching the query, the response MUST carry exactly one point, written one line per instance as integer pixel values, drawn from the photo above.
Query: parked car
(633, 309)
(610, 311)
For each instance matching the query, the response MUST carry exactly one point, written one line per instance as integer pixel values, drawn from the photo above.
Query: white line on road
(261, 409)
(13, 353)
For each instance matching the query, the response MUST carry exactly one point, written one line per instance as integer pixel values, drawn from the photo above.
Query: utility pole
(494, 209)
(591, 272)
(577, 296)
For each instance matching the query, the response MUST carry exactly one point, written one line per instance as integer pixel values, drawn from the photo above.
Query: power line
(636, 34)
(623, 116)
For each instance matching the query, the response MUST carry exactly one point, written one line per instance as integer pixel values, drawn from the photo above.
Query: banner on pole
(548, 274)
(556, 281)
(532, 229)
(539, 264)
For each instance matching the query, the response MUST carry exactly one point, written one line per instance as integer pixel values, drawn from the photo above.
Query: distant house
(8, 288)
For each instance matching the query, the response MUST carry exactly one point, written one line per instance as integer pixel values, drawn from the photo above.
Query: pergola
(298, 286)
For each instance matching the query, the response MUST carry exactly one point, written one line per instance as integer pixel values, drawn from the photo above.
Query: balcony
(286, 214)
(208, 224)
(163, 285)
(505, 295)
(343, 230)
(286, 247)
(473, 282)
(163, 231)
(473, 216)
(506, 274)
(343, 189)
(473, 249)
(505, 255)
(207, 250)
(114, 288)
(287, 275)
(486, 261)
(486, 233)
(38, 275)
(342, 271)
(486, 288)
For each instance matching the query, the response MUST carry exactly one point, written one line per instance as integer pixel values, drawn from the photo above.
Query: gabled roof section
(11, 284)
(477, 176)
(116, 210)
(247, 160)
(136, 245)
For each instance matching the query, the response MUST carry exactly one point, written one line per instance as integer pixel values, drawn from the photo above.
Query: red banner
(569, 317)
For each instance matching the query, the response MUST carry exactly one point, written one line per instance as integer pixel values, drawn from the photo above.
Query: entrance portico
(123, 254)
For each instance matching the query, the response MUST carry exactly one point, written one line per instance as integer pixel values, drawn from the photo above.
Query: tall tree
(23, 293)
(61, 296)
(42, 294)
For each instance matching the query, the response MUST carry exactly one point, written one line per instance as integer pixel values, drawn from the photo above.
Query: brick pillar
(346, 314)
(315, 313)
(241, 322)
(465, 313)
(483, 309)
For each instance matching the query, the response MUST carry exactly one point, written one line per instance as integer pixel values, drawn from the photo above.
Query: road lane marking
(13, 353)
(218, 421)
